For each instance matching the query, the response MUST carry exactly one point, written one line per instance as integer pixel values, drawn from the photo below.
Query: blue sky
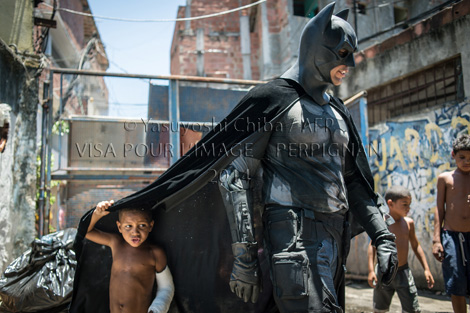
(135, 48)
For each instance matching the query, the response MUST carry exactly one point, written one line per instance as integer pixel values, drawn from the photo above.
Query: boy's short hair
(146, 213)
(462, 143)
(395, 193)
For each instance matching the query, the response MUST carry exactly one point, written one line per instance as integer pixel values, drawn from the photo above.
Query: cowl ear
(323, 18)
(343, 14)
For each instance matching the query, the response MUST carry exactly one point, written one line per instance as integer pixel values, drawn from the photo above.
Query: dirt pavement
(359, 300)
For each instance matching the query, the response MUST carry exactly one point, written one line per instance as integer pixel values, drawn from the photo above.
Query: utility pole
(355, 17)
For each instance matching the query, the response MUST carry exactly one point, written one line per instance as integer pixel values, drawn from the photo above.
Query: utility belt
(306, 218)
(304, 224)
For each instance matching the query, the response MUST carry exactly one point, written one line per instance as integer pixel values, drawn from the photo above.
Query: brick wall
(74, 22)
(222, 50)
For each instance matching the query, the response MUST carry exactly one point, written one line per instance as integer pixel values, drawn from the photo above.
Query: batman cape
(190, 218)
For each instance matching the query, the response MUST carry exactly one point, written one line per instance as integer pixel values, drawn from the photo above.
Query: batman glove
(387, 257)
(245, 278)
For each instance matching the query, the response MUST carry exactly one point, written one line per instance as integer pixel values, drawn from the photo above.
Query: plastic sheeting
(41, 280)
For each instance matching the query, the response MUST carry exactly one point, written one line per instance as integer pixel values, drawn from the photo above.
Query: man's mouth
(135, 240)
(340, 74)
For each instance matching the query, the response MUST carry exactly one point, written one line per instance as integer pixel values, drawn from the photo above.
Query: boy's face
(401, 207)
(134, 227)
(462, 160)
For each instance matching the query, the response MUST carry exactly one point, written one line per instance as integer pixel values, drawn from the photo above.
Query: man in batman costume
(316, 181)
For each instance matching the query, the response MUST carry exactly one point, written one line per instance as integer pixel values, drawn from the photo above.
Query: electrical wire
(41, 41)
(159, 20)
(410, 21)
(381, 5)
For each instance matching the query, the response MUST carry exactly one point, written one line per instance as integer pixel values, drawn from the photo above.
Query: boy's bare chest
(401, 231)
(458, 183)
(133, 260)
(458, 192)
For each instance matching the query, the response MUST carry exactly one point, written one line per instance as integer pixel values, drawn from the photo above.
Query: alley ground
(359, 300)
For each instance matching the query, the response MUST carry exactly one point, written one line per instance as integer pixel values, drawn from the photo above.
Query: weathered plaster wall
(377, 18)
(381, 66)
(16, 22)
(19, 90)
(412, 152)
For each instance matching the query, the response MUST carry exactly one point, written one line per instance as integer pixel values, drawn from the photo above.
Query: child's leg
(459, 304)
(382, 296)
(406, 290)
(382, 299)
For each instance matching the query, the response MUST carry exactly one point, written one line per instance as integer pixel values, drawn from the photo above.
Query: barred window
(434, 85)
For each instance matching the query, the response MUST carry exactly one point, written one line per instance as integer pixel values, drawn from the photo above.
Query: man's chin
(337, 82)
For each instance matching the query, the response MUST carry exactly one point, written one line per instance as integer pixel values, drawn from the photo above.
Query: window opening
(435, 85)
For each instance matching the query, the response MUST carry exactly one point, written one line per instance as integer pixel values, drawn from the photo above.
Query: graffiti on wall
(412, 153)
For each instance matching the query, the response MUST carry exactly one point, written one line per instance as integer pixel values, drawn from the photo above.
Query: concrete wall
(438, 38)
(19, 90)
(16, 23)
(379, 16)
(412, 151)
(282, 29)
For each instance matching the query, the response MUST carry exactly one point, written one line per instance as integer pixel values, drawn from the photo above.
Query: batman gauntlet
(387, 257)
(245, 277)
(372, 215)
(244, 280)
(384, 242)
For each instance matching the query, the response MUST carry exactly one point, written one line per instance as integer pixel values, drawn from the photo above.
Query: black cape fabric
(195, 233)
(190, 218)
(205, 160)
